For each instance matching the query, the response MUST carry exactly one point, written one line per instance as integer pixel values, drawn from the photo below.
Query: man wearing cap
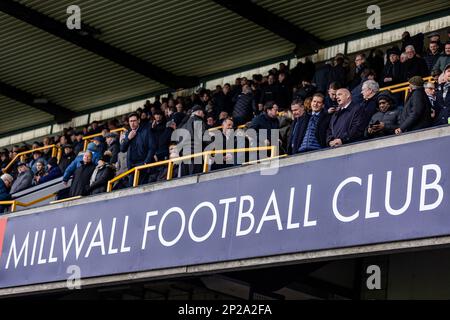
(443, 100)
(53, 171)
(78, 144)
(436, 37)
(103, 172)
(6, 181)
(393, 69)
(444, 59)
(67, 157)
(417, 111)
(37, 156)
(113, 144)
(100, 143)
(24, 178)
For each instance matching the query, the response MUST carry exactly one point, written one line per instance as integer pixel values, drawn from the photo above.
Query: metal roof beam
(60, 113)
(84, 40)
(306, 42)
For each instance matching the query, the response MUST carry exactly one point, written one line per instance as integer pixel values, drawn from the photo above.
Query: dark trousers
(143, 175)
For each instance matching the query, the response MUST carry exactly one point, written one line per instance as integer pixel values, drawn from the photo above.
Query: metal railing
(171, 162)
(92, 136)
(242, 126)
(21, 155)
(402, 87)
(15, 203)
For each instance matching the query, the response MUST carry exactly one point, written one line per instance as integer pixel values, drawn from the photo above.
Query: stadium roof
(129, 49)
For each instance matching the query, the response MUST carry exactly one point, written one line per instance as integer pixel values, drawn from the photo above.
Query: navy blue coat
(321, 130)
(53, 173)
(347, 124)
(141, 148)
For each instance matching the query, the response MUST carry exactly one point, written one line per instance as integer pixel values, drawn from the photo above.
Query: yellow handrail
(170, 163)
(266, 159)
(54, 153)
(15, 203)
(395, 86)
(402, 87)
(88, 138)
(242, 126)
(66, 199)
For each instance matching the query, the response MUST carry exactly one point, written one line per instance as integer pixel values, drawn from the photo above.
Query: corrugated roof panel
(16, 115)
(172, 32)
(333, 19)
(40, 63)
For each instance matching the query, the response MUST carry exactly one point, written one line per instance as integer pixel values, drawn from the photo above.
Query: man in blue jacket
(139, 143)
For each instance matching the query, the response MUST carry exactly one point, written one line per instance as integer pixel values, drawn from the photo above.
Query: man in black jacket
(244, 106)
(417, 111)
(67, 157)
(101, 175)
(82, 176)
(112, 141)
(193, 143)
(313, 131)
(265, 123)
(414, 65)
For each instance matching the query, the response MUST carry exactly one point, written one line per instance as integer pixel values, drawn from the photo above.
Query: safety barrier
(92, 136)
(403, 87)
(15, 203)
(170, 163)
(21, 155)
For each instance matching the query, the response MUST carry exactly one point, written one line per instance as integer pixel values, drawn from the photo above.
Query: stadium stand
(308, 103)
(280, 86)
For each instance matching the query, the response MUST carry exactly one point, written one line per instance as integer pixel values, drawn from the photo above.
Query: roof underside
(193, 38)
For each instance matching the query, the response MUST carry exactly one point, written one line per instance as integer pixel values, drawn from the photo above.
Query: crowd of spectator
(312, 107)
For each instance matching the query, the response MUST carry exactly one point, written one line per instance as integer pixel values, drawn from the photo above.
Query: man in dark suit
(347, 124)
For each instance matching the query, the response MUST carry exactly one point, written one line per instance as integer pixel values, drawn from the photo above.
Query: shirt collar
(346, 106)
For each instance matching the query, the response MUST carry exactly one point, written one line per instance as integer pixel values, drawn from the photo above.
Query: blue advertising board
(388, 194)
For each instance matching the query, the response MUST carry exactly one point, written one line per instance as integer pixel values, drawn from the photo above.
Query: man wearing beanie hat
(386, 120)
(53, 171)
(417, 111)
(393, 69)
